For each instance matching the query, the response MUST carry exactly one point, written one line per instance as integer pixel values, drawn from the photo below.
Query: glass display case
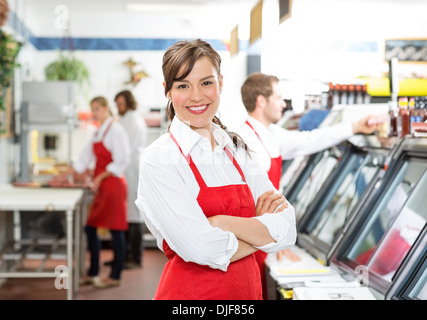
(410, 282)
(310, 179)
(322, 224)
(390, 219)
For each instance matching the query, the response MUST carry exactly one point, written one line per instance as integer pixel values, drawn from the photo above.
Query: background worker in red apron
(272, 143)
(110, 151)
(207, 202)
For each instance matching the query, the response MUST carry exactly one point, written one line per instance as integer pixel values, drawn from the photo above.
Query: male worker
(273, 144)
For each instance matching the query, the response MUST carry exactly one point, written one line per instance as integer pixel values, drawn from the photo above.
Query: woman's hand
(269, 201)
(62, 179)
(96, 182)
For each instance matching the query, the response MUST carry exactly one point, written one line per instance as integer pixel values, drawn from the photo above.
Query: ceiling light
(158, 7)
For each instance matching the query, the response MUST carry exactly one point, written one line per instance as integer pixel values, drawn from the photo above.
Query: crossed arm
(251, 233)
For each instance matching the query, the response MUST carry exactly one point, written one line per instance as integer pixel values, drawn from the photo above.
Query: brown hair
(187, 53)
(255, 85)
(102, 101)
(131, 103)
(4, 10)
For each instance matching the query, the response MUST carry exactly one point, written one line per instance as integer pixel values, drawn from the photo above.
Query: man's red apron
(274, 174)
(182, 280)
(109, 205)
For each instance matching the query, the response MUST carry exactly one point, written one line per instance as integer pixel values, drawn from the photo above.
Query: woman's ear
(168, 96)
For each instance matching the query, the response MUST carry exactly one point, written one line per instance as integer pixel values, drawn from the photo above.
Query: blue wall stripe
(137, 44)
(48, 43)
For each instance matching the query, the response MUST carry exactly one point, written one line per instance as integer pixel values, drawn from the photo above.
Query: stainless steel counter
(73, 202)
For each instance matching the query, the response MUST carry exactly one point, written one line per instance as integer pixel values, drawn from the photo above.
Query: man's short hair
(257, 84)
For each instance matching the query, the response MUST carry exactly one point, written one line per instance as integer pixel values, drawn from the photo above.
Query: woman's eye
(182, 86)
(206, 83)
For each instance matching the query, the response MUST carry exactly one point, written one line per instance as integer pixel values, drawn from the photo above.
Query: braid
(237, 140)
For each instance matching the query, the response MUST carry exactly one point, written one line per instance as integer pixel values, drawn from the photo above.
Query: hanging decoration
(135, 76)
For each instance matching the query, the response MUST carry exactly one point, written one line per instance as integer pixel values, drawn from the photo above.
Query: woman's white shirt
(115, 141)
(168, 190)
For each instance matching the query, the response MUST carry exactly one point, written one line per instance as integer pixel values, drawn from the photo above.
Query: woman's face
(100, 113)
(196, 98)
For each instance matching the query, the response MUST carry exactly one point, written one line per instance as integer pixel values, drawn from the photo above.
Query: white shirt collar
(103, 127)
(187, 138)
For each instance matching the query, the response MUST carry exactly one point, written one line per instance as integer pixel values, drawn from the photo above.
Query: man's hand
(368, 124)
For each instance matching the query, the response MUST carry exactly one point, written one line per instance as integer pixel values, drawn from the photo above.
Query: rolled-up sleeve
(281, 226)
(173, 214)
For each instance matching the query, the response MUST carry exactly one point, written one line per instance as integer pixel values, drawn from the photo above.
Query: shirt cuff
(231, 249)
(282, 229)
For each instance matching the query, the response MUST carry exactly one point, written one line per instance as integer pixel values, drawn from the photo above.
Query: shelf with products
(379, 86)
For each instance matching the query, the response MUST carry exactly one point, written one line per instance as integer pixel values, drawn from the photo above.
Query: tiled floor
(136, 284)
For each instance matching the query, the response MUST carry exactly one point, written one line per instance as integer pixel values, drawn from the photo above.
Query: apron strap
(235, 163)
(247, 122)
(193, 167)
(105, 132)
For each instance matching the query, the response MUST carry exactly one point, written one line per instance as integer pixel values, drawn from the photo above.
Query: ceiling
(116, 16)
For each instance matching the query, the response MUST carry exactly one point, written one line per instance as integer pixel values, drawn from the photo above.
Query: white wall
(311, 44)
(301, 49)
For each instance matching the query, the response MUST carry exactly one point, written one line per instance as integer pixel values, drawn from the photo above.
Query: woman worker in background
(207, 202)
(110, 150)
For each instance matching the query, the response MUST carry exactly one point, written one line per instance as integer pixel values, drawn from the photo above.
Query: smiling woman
(191, 93)
(211, 212)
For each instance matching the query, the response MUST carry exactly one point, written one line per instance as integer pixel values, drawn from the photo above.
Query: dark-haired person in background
(136, 129)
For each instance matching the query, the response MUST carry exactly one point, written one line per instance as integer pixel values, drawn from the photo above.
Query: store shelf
(407, 87)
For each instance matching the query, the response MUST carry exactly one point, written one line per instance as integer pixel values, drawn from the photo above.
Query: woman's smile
(198, 109)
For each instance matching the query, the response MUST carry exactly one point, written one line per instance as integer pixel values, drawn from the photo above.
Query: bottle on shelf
(424, 109)
(358, 94)
(393, 114)
(344, 94)
(351, 97)
(418, 109)
(366, 96)
(411, 110)
(337, 94)
(330, 95)
(403, 119)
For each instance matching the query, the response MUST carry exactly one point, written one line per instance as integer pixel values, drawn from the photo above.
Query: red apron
(109, 205)
(182, 280)
(274, 174)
